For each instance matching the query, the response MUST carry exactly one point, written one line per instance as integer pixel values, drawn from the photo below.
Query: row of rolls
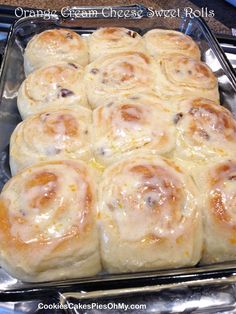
(125, 165)
(198, 130)
(124, 64)
(60, 219)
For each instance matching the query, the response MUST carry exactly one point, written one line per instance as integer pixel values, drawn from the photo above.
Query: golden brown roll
(116, 75)
(181, 76)
(149, 218)
(218, 183)
(53, 46)
(130, 124)
(205, 130)
(51, 135)
(162, 41)
(107, 40)
(48, 230)
(55, 86)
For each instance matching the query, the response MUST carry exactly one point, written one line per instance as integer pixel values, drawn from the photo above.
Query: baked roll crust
(51, 135)
(53, 46)
(107, 40)
(205, 130)
(218, 183)
(118, 75)
(149, 218)
(55, 86)
(48, 230)
(131, 124)
(181, 76)
(162, 41)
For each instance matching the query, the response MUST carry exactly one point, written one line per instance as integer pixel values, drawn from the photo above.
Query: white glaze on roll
(181, 76)
(205, 131)
(217, 181)
(162, 41)
(117, 75)
(107, 40)
(48, 229)
(130, 124)
(149, 215)
(53, 46)
(57, 86)
(51, 135)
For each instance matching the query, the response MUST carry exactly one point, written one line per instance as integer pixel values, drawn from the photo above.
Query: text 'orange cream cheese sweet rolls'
(205, 130)
(53, 46)
(60, 134)
(56, 86)
(162, 41)
(130, 124)
(218, 182)
(179, 76)
(149, 217)
(118, 75)
(107, 40)
(48, 230)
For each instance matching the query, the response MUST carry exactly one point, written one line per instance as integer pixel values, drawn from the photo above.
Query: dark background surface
(223, 22)
(225, 13)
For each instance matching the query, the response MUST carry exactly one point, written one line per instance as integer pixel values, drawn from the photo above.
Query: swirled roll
(48, 229)
(53, 46)
(130, 124)
(56, 86)
(121, 74)
(107, 40)
(51, 135)
(181, 76)
(218, 182)
(149, 218)
(162, 41)
(205, 130)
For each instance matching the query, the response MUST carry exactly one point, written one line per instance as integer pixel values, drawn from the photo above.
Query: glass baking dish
(12, 74)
